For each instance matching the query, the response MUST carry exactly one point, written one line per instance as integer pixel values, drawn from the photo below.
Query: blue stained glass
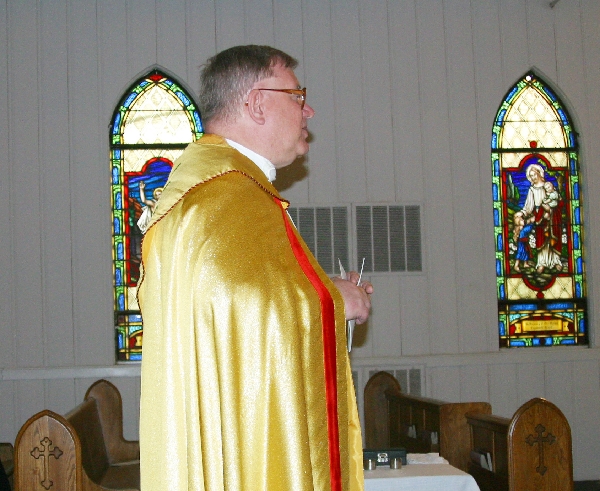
(502, 293)
(579, 265)
(117, 226)
(168, 83)
(502, 328)
(576, 240)
(576, 190)
(118, 202)
(573, 166)
(512, 93)
(115, 174)
(517, 342)
(563, 116)
(121, 302)
(498, 267)
(496, 168)
(535, 341)
(197, 121)
(496, 218)
(494, 140)
(130, 99)
(120, 342)
(550, 94)
(572, 139)
(523, 306)
(183, 98)
(500, 117)
(559, 306)
(143, 83)
(495, 191)
(117, 154)
(499, 242)
(116, 124)
(567, 341)
(118, 278)
(120, 255)
(135, 356)
(577, 216)
(582, 327)
(548, 342)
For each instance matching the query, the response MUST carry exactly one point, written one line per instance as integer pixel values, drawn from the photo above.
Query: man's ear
(255, 107)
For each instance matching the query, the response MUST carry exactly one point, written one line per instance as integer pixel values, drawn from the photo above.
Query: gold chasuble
(246, 381)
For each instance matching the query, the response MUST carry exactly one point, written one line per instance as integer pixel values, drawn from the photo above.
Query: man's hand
(357, 299)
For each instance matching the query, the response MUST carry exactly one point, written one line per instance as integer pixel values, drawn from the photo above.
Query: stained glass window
(155, 120)
(538, 220)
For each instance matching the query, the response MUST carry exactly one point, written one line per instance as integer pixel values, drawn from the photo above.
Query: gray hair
(227, 78)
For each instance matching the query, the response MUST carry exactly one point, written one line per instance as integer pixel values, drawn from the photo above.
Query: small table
(419, 477)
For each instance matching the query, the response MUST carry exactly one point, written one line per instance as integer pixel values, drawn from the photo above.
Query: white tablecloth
(419, 477)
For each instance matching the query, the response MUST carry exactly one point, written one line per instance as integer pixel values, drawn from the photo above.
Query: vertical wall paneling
(319, 77)
(511, 22)
(443, 383)
(200, 38)
(406, 109)
(229, 24)
(437, 170)
(142, 34)
(385, 323)
(489, 91)
(530, 381)
(591, 152)
(474, 383)
(55, 183)
(416, 340)
(7, 292)
(559, 385)
(171, 37)
(470, 253)
(376, 79)
(259, 22)
(9, 426)
(503, 389)
(584, 426)
(348, 96)
(24, 131)
(60, 396)
(97, 79)
(541, 36)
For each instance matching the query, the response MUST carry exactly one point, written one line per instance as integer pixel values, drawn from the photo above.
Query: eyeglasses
(300, 93)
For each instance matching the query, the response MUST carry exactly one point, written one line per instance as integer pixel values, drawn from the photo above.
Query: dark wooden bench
(418, 424)
(81, 451)
(530, 451)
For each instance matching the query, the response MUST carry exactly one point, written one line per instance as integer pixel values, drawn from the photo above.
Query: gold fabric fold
(233, 389)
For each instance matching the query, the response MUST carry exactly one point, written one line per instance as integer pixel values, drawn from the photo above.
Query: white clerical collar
(263, 164)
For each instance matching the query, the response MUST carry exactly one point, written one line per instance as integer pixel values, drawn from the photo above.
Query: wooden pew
(82, 451)
(530, 451)
(7, 460)
(394, 419)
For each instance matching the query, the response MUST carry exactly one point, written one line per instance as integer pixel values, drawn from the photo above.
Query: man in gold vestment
(246, 382)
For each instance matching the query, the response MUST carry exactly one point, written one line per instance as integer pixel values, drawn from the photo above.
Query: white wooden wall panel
(171, 36)
(318, 73)
(474, 383)
(377, 104)
(512, 26)
(7, 292)
(229, 26)
(26, 270)
(406, 107)
(259, 22)
(466, 193)
(503, 390)
(584, 427)
(142, 35)
(530, 380)
(348, 102)
(443, 382)
(200, 39)
(55, 185)
(489, 91)
(385, 327)
(437, 170)
(414, 315)
(94, 90)
(541, 40)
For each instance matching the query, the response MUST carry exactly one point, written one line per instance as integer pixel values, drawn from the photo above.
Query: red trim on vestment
(329, 351)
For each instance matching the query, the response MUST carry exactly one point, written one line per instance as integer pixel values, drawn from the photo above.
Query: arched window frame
(540, 302)
(146, 136)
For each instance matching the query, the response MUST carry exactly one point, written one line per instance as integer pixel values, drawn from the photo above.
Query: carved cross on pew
(47, 450)
(540, 440)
